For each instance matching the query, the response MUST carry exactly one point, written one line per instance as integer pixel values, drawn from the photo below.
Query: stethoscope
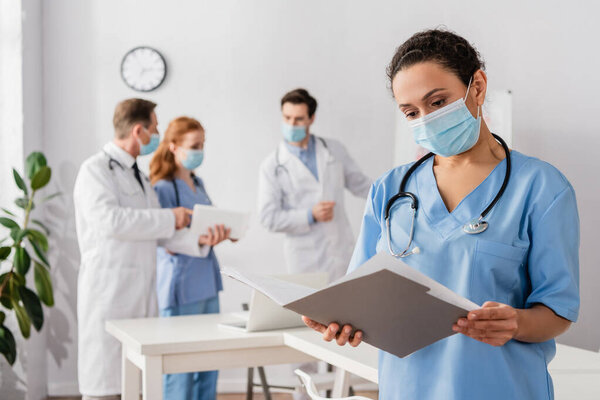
(112, 162)
(475, 226)
(198, 185)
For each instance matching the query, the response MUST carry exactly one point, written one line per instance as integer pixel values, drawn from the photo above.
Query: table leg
(152, 378)
(263, 381)
(341, 384)
(250, 384)
(130, 378)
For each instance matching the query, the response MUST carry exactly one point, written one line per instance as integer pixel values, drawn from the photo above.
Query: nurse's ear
(172, 147)
(478, 88)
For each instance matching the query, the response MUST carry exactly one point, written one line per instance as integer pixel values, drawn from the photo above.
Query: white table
(156, 346)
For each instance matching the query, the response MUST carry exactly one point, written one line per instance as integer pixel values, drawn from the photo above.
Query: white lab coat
(118, 228)
(287, 190)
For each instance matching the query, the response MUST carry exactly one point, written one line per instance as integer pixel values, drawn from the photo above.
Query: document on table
(399, 309)
(205, 217)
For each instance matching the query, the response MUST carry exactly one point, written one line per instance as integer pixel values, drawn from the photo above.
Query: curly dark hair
(449, 50)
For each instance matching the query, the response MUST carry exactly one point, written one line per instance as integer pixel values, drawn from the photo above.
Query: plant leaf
(50, 197)
(23, 202)
(9, 223)
(8, 347)
(20, 182)
(41, 178)
(22, 318)
(43, 284)
(4, 253)
(7, 211)
(17, 279)
(33, 307)
(2, 318)
(40, 253)
(18, 234)
(5, 297)
(22, 261)
(33, 163)
(41, 225)
(39, 237)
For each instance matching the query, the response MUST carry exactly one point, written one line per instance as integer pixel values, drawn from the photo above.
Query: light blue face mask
(293, 133)
(151, 146)
(449, 131)
(193, 159)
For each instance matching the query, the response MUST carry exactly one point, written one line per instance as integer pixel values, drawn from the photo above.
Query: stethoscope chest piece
(475, 226)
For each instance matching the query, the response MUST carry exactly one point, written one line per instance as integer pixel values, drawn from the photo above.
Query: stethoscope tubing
(473, 227)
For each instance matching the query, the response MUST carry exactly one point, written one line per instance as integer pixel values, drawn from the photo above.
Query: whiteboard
(497, 113)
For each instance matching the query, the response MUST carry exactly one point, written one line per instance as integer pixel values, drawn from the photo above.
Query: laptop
(265, 315)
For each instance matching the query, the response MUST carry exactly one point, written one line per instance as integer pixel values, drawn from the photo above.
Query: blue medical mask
(152, 145)
(293, 133)
(449, 131)
(193, 159)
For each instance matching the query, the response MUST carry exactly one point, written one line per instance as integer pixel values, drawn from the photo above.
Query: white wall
(229, 63)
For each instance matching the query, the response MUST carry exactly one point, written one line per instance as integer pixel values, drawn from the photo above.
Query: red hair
(163, 164)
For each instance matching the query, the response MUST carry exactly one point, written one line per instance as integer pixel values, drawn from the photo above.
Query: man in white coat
(119, 223)
(301, 192)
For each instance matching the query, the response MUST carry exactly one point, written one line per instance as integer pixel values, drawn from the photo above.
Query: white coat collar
(120, 155)
(285, 154)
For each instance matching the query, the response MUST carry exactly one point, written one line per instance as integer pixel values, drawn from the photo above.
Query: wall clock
(143, 69)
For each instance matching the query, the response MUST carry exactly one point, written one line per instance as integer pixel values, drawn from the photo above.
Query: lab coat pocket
(496, 270)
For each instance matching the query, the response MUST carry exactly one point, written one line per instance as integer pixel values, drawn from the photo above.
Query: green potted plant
(25, 249)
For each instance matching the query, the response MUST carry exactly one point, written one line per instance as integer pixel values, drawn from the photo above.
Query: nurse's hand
(494, 324)
(333, 332)
(323, 211)
(182, 217)
(215, 236)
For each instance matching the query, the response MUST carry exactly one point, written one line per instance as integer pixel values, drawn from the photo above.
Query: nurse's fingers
(220, 229)
(498, 340)
(314, 324)
(210, 237)
(356, 339)
(493, 312)
(331, 331)
(344, 335)
(495, 325)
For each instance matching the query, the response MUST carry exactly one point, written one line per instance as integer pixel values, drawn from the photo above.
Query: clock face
(143, 69)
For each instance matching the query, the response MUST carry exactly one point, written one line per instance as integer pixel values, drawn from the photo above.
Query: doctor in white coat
(301, 192)
(119, 224)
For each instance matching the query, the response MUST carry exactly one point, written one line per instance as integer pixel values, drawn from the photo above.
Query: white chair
(311, 389)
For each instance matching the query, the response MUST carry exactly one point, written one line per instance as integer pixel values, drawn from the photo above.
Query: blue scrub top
(529, 254)
(181, 279)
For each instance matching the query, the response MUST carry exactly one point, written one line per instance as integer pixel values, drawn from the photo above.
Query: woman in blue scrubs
(523, 270)
(186, 285)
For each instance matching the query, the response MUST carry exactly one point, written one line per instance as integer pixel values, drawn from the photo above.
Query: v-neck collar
(184, 183)
(471, 206)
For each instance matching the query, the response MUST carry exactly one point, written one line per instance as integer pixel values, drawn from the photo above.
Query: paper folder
(399, 309)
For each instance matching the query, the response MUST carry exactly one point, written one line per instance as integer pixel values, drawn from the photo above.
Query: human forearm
(538, 324)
